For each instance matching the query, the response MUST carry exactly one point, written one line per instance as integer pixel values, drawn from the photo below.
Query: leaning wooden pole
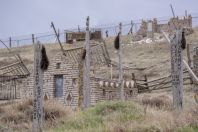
(38, 90)
(177, 70)
(120, 64)
(86, 75)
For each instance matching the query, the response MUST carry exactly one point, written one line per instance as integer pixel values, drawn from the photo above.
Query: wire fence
(50, 37)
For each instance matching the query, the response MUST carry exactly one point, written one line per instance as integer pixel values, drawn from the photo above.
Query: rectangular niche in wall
(74, 82)
(58, 65)
(58, 85)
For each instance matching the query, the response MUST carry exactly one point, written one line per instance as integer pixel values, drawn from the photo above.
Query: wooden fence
(145, 85)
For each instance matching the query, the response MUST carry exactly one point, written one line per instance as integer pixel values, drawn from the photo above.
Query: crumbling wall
(173, 23)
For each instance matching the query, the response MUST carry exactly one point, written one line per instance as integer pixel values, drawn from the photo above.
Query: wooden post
(120, 65)
(107, 35)
(111, 72)
(32, 38)
(131, 29)
(86, 74)
(172, 10)
(177, 70)
(38, 90)
(133, 78)
(10, 42)
(78, 28)
(188, 55)
(189, 60)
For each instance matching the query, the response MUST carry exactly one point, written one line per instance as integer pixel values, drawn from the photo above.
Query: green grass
(188, 129)
(96, 118)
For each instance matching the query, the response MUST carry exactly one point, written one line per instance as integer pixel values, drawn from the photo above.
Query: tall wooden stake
(120, 65)
(10, 42)
(32, 38)
(177, 70)
(86, 75)
(189, 60)
(172, 10)
(38, 90)
(111, 72)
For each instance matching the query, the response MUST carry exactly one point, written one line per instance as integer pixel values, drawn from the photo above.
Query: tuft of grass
(160, 102)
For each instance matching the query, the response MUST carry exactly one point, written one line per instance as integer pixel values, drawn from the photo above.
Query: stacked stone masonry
(67, 66)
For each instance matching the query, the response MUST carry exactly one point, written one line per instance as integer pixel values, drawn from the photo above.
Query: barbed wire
(111, 28)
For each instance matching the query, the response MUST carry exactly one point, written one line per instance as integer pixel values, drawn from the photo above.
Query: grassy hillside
(155, 57)
(153, 114)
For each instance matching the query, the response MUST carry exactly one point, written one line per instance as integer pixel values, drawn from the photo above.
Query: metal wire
(111, 28)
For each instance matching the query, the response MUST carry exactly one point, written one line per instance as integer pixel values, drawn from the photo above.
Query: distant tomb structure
(148, 28)
(80, 36)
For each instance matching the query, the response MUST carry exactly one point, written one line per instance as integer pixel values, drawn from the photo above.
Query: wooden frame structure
(9, 76)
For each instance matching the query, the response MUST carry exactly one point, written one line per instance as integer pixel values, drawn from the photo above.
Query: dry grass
(18, 115)
(106, 116)
(130, 117)
(159, 102)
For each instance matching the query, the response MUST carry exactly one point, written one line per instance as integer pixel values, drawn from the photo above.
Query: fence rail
(160, 83)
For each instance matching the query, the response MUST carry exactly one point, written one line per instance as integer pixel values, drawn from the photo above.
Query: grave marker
(38, 90)
(86, 74)
(177, 70)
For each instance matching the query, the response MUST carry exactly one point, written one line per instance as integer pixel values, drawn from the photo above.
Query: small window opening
(58, 85)
(131, 92)
(103, 92)
(74, 81)
(58, 65)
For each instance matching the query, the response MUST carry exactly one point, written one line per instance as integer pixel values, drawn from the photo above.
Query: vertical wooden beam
(131, 27)
(107, 35)
(189, 60)
(172, 10)
(111, 72)
(177, 70)
(38, 90)
(120, 64)
(10, 42)
(133, 78)
(86, 74)
(78, 28)
(32, 38)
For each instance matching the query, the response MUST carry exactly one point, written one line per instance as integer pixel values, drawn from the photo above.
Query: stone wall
(67, 66)
(185, 22)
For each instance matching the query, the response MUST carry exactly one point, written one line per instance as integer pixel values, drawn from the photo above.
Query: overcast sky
(23, 17)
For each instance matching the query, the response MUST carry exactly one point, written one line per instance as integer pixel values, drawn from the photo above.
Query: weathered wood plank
(177, 70)
(38, 90)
